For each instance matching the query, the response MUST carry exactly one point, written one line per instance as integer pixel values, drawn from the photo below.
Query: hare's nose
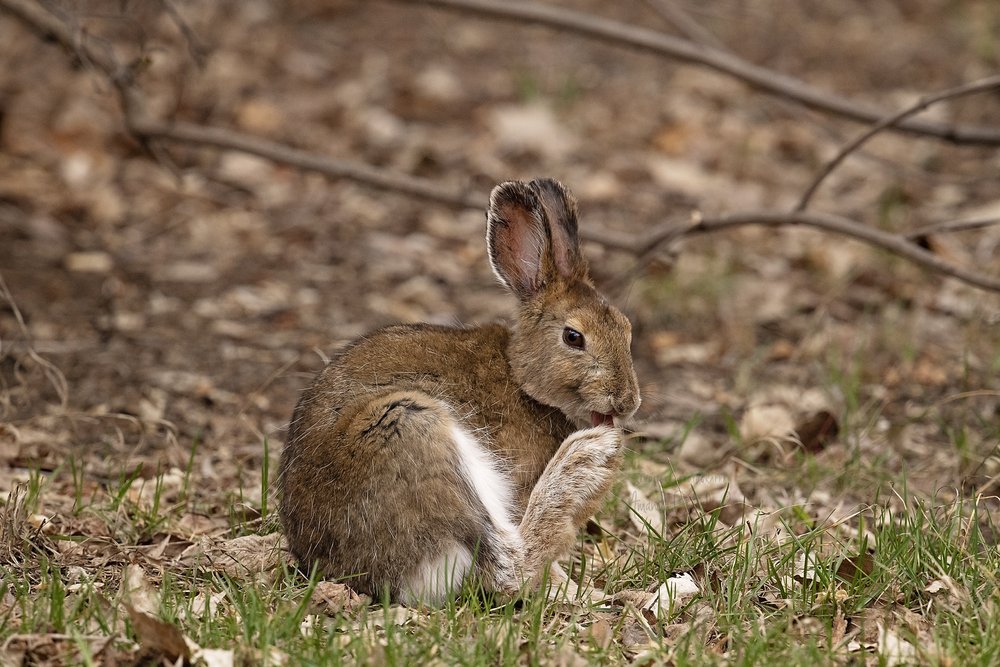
(626, 404)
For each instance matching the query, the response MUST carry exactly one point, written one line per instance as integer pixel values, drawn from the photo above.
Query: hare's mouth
(597, 419)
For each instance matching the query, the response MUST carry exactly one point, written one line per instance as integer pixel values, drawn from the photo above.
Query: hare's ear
(560, 212)
(517, 238)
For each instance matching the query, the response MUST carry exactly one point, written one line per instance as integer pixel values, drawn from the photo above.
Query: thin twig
(196, 48)
(982, 85)
(835, 224)
(951, 226)
(141, 125)
(661, 44)
(684, 24)
(189, 133)
(51, 371)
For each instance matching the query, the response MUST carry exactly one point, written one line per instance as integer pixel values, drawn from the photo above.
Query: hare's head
(570, 347)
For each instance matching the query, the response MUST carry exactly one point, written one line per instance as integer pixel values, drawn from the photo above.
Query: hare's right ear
(517, 238)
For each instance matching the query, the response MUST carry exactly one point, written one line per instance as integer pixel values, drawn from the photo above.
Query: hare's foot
(569, 491)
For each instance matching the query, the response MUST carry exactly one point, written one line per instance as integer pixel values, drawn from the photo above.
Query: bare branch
(835, 224)
(41, 20)
(188, 133)
(145, 128)
(684, 24)
(669, 46)
(951, 226)
(982, 85)
(195, 46)
(141, 125)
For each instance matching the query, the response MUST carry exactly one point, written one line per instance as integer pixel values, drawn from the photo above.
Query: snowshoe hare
(425, 455)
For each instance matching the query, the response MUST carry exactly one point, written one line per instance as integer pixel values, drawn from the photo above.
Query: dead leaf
(214, 657)
(137, 592)
(629, 597)
(89, 262)
(635, 636)
(666, 601)
(852, 565)
(817, 431)
(893, 649)
(838, 629)
(206, 603)
(158, 637)
(644, 514)
(50, 649)
(248, 555)
(142, 603)
(762, 422)
(699, 451)
(332, 598)
(531, 128)
(600, 633)
(394, 615)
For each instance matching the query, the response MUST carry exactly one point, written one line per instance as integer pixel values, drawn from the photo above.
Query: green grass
(800, 591)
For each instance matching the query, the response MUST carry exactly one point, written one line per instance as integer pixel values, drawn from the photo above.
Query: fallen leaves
(671, 593)
(248, 557)
(157, 637)
(333, 598)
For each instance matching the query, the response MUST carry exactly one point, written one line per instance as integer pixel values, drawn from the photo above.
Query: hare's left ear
(517, 238)
(560, 213)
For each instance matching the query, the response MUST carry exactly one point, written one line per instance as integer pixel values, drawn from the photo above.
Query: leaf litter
(155, 331)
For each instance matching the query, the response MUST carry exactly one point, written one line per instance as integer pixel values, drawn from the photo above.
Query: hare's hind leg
(437, 503)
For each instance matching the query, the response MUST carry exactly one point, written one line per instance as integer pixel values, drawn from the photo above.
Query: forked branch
(982, 85)
(144, 128)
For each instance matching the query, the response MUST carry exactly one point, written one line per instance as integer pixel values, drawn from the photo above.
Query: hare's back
(465, 367)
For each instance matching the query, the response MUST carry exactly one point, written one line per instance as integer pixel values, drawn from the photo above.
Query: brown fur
(371, 481)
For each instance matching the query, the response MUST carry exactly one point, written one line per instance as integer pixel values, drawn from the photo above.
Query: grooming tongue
(596, 419)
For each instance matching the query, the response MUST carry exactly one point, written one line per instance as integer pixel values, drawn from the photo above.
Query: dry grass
(817, 450)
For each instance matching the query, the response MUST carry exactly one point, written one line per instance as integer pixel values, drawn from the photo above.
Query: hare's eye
(573, 338)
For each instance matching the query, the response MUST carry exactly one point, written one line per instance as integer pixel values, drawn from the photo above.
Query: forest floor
(812, 475)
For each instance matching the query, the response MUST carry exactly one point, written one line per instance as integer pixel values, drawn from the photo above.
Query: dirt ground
(173, 308)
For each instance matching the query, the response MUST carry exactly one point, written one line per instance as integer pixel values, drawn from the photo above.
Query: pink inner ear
(520, 246)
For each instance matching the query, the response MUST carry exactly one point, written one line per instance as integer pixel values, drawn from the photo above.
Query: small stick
(982, 85)
(951, 226)
(141, 125)
(669, 46)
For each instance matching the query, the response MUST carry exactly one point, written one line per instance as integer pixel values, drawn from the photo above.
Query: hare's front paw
(600, 447)
(569, 491)
(584, 468)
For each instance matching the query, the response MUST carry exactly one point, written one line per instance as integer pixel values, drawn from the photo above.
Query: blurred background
(187, 296)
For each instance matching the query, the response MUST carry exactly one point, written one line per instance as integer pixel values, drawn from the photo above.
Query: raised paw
(582, 470)
(570, 490)
(599, 446)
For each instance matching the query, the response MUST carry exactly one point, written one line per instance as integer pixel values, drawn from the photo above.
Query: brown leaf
(635, 637)
(49, 649)
(600, 633)
(333, 598)
(839, 629)
(249, 555)
(142, 602)
(158, 637)
(817, 431)
(852, 565)
(762, 422)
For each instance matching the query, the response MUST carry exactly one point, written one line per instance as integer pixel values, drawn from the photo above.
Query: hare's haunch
(422, 455)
